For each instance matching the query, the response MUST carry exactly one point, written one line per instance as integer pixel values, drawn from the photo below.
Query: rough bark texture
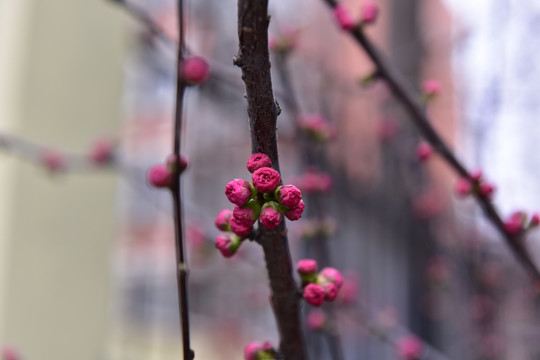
(253, 58)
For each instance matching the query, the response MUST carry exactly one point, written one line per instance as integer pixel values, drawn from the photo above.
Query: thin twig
(181, 265)
(254, 60)
(410, 101)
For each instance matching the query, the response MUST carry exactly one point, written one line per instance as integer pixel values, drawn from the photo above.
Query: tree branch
(409, 99)
(253, 59)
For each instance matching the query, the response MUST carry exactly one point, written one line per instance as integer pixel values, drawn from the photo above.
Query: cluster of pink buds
(430, 89)
(53, 160)
(161, 175)
(474, 184)
(259, 351)
(285, 42)
(314, 181)
(194, 70)
(102, 152)
(424, 151)
(409, 347)
(319, 287)
(317, 127)
(368, 15)
(518, 222)
(263, 199)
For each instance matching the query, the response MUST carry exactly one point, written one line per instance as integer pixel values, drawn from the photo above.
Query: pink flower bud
(424, 151)
(10, 353)
(296, 212)
(245, 215)
(53, 160)
(535, 219)
(316, 319)
(330, 291)
(257, 161)
(238, 192)
(331, 275)
(463, 187)
(222, 220)
(194, 70)
(270, 216)
(172, 163)
(266, 179)
(514, 224)
(409, 347)
(288, 195)
(101, 152)
(369, 12)
(486, 189)
(251, 351)
(344, 18)
(240, 228)
(314, 294)
(431, 87)
(267, 346)
(227, 244)
(160, 176)
(306, 267)
(476, 175)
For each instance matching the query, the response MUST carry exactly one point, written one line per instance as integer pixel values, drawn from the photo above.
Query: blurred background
(86, 254)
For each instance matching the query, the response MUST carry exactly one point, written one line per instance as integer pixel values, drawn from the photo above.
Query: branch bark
(409, 99)
(253, 58)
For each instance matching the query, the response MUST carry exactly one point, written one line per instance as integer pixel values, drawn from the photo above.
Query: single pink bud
(245, 215)
(288, 195)
(159, 176)
(316, 319)
(227, 244)
(267, 346)
(369, 12)
(172, 162)
(101, 152)
(53, 160)
(194, 70)
(331, 275)
(222, 220)
(238, 192)
(314, 294)
(239, 228)
(344, 18)
(266, 179)
(306, 267)
(296, 212)
(476, 175)
(535, 219)
(10, 353)
(409, 347)
(463, 187)
(424, 151)
(257, 161)
(431, 87)
(270, 217)
(330, 291)
(514, 224)
(486, 189)
(251, 351)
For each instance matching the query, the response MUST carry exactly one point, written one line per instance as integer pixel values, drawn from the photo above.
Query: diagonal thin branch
(409, 99)
(254, 60)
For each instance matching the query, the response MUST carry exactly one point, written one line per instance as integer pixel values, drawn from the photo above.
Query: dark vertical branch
(253, 59)
(181, 265)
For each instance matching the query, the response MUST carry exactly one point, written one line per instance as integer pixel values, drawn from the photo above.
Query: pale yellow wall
(60, 83)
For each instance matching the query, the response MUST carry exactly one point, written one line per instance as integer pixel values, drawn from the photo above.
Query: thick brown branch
(410, 100)
(253, 59)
